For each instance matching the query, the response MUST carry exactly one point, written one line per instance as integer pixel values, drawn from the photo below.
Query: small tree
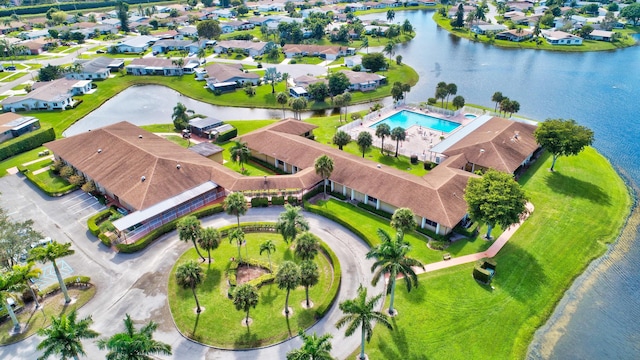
(364, 141)
(23, 274)
(282, 99)
(341, 139)
(563, 137)
(403, 221)
(458, 102)
(235, 204)
(245, 297)
(269, 247)
(209, 240)
(63, 337)
(237, 235)
(324, 167)
(209, 29)
(314, 347)
(288, 278)
(309, 276)
(189, 230)
(383, 130)
(374, 61)
(180, 116)
(290, 222)
(240, 153)
(306, 246)
(272, 76)
(495, 199)
(189, 276)
(398, 134)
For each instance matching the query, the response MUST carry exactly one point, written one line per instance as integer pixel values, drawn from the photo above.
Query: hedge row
(227, 135)
(277, 200)
(69, 7)
(249, 227)
(53, 192)
(257, 282)
(170, 226)
(93, 221)
(313, 193)
(338, 195)
(71, 280)
(259, 202)
(292, 200)
(26, 142)
(322, 212)
(269, 166)
(335, 283)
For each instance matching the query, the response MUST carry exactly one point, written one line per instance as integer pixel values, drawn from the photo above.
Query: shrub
(356, 68)
(292, 200)
(70, 281)
(414, 159)
(338, 195)
(373, 209)
(335, 284)
(438, 244)
(89, 187)
(293, 61)
(429, 165)
(313, 193)
(66, 171)
(432, 101)
(259, 202)
(76, 180)
(26, 142)
(277, 200)
(227, 135)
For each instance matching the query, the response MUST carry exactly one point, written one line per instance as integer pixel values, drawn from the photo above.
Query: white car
(44, 242)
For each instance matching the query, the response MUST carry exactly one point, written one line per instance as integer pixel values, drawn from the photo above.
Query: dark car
(10, 68)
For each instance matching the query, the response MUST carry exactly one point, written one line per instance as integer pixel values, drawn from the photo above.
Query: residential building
(225, 74)
(13, 125)
(363, 81)
(202, 126)
(488, 29)
(136, 44)
(158, 66)
(561, 38)
(250, 48)
(515, 35)
(327, 52)
(51, 95)
(601, 35)
(96, 69)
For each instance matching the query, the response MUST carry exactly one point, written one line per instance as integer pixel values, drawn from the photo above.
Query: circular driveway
(136, 284)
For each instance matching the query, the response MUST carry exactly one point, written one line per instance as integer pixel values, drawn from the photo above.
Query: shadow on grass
(570, 186)
(195, 326)
(247, 340)
(518, 273)
(398, 348)
(268, 296)
(288, 254)
(417, 293)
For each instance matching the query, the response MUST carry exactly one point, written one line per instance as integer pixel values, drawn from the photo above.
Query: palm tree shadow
(572, 187)
(288, 254)
(289, 326)
(195, 325)
(417, 293)
(268, 297)
(398, 348)
(247, 340)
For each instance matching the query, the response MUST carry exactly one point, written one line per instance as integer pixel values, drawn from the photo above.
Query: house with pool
(157, 181)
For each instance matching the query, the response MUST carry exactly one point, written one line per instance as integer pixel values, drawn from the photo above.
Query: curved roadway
(137, 283)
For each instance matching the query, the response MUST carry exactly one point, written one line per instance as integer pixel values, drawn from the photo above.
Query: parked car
(44, 242)
(100, 51)
(11, 68)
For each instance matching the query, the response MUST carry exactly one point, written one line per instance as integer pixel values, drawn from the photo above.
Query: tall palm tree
(272, 76)
(285, 77)
(7, 286)
(365, 43)
(383, 130)
(359, 312)
(189, 230)
(390, 49)
(309, 276)
(189, 276)
(63, 337)
(403, 221)
(324, 168)
(24, 273)
(290, 222)
(237, 235)
(240, 153)
(134, 345)
(398, 134)
(245, 297)
(268, 246)
(346, 100)
(314, 347)
(497, 98)
(391, 258)
(341, 138)
(288, 278)
(180, 116)
(54, 250)
(306, 246)
(283, 99)
(235, 204)
(364, 141)
(209, 240)
(201, 54)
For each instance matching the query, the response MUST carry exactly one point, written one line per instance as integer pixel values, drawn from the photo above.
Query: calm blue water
(470, 116)
(599, 317)
(406, 119)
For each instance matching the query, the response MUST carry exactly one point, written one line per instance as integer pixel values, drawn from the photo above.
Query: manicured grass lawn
(220, 323)
(11, 76)
(160, 128)
(449, 316)
(178, 140)
(59, 49)
(35, 320)
(19, 160)
(40, 164)
(52, 181)
(19, 87)
(313, 60)
(369, 224)
(245, 127)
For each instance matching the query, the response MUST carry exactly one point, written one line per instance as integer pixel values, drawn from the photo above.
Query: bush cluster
(259, 202)
(71, 280)
(292, 200)
(227, 135)
(277, 200)
(26, 142)
(372, 209)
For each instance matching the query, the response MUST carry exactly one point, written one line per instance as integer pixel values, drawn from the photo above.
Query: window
(372, 200)
(431, 223)
(280, 163)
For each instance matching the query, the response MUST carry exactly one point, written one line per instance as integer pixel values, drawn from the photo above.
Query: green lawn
(40, 164)
(52, 181)
(220, 323)
(10, 76)
(160, 128)
(313, 60)
(450, 316)
(178, 140)
(59, 49)
(35, 320)
(19, 160)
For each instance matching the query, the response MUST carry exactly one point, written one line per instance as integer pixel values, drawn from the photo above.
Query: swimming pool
(406, 119)
(470, 116)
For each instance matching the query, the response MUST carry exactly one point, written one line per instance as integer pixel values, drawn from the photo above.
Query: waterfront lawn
(450, 316)
(220, 323)
(177, 139)
(161, 128)
(19, 160)
(368, 224)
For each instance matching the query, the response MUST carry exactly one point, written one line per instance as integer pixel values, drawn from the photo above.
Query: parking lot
(82, 205)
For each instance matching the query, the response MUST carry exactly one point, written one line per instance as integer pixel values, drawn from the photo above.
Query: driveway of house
(136, 284)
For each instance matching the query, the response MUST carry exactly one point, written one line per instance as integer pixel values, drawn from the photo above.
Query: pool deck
(419, 139)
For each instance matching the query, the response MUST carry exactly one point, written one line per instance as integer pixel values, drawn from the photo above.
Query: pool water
(470, 116)
(406, 119)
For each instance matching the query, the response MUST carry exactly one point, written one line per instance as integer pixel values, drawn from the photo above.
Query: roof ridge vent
(143, 178)
(140, 136)
(178, 166)
(99, 151)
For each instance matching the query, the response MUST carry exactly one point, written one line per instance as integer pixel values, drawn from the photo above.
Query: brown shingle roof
(498, 144)
(228, 72)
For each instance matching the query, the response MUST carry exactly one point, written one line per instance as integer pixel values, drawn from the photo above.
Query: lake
(599, 316)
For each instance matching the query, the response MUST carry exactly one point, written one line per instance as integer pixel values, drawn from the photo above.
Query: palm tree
(324, 168)
(209, 240)
(23, 274)
(497, 98)
(63, 337)
(365, 43)
(54, 250)
(359, 312)
(341, 138)
(288, 278)
(7, 285)
(269, 247)
(134, 345)
(298, 105)
(290, 222)
(245, 297)
(452, 89)
(403, 221)
(390, 49)
(309, 276)
(314, 347)
(283, 99)
(240, 153)
(306, 246)
(383, 130)
(271, 75)
(201, 54)
(346, 100)
(391, 15)
(285, 77)
(180, 116)
(364, 141)
(189, 230)
(235, 204)
(338, 101)
(237, 235)
(398, 134)
(189, 276)
(391, 257)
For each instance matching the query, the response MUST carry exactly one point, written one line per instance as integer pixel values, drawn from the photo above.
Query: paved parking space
(81, 204)
(48, 276)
